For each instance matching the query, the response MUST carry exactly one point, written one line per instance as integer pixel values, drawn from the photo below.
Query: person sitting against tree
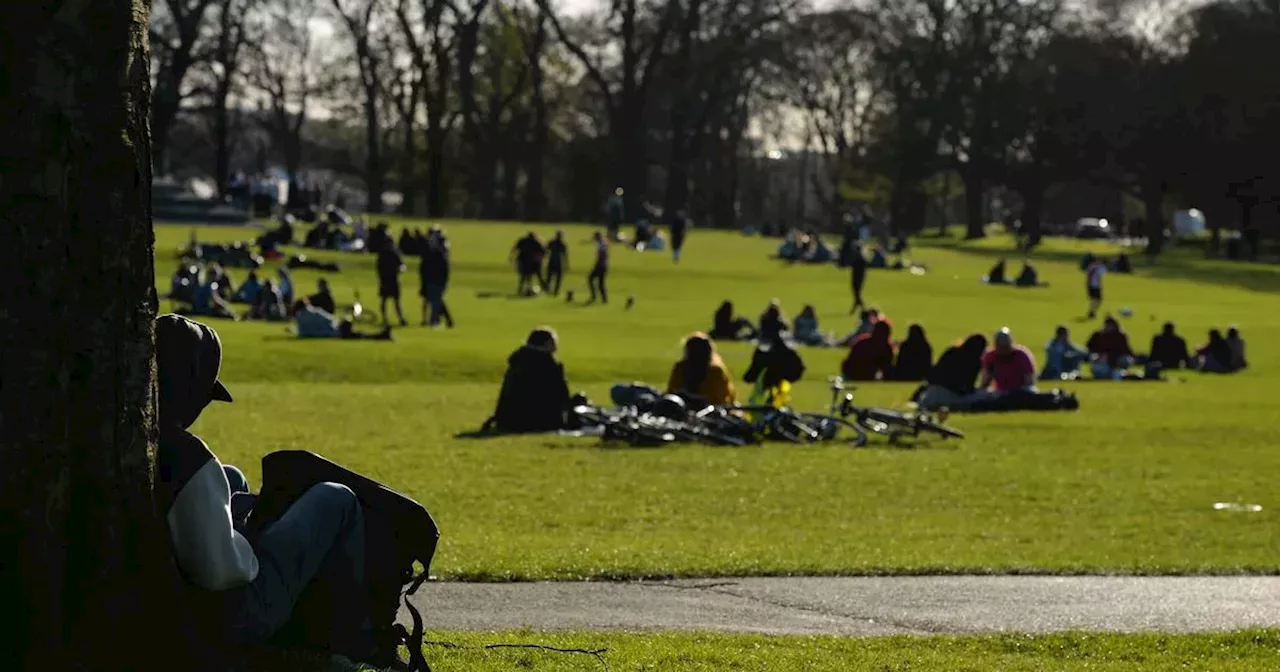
(1062, 358)
(701, 374)
(257, 578)
(871, 355)
(1169, 350)
(996, 275)
(726, 327)
(915, 356)
(535, 393)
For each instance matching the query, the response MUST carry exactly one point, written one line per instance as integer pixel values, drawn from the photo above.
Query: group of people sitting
(805, 246)
(207, 290)
(1110, 356)
(874, 355)
(1005, 376)
(210, 292)
(535, 393)
(1027, 277)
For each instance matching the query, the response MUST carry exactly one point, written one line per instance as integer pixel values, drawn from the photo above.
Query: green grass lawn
(1125, 485)
(681, 652)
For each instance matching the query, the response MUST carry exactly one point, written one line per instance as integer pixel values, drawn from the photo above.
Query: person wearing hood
(535, 393)
(871, 355)
(249, 577)
(775, 365)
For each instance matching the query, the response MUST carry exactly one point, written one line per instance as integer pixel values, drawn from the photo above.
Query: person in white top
(1094, 275)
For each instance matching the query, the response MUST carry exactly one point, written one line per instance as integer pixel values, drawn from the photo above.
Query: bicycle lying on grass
(671, 420)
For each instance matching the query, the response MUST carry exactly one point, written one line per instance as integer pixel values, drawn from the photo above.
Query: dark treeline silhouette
(744, 112)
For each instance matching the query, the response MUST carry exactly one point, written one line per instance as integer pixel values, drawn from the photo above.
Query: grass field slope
(1125, 485)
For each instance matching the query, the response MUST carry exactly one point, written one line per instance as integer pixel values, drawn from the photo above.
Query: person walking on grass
(557, 263)
(527, 255)
(679, 227)
(435, 279)
(596, 278)
(390, 265)
(1094, 274)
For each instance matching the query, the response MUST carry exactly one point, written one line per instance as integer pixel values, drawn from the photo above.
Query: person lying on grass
(1062, 358)
(312, 322)
(250, 580)
(701, 374)
(535, 393)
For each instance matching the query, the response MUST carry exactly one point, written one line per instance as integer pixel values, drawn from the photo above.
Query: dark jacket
(915, 356)
(435, 263)
(535, 394)
(1170, 350)
(777, 363)
(957, 370)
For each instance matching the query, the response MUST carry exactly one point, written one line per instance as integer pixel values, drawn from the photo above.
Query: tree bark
(974, 193)
(1153, 205)
(82, 545)
(535, 199)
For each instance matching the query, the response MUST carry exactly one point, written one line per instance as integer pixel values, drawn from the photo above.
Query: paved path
(863, 606)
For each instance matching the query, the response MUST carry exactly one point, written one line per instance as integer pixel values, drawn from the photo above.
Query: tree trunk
(373, 172)
(1032, 211)
(221, 142)
(408, 169)
(83, 548)
(1153, 206)
(974, 193)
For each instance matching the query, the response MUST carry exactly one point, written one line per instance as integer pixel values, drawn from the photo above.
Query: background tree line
(743, 112)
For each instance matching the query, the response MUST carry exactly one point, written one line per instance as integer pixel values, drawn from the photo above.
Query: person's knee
(236, 478)
(337, 498)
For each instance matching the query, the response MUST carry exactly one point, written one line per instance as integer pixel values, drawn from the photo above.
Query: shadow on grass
(1185, 263)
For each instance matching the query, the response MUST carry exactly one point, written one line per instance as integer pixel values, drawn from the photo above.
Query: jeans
(439, 311)
(596, 280)
(314, 556)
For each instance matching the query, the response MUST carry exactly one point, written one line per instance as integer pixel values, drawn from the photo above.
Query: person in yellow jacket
(702, 373)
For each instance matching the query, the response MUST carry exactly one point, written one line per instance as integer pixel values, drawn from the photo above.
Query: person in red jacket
(871, 355)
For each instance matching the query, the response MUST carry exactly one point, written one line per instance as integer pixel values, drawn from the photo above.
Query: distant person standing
(616, 213)
(858, 273)
(557, 263)
(435, 279)
(1094, 274)
(390, 265)
(679, 226)
(596, 278)
(528, 253)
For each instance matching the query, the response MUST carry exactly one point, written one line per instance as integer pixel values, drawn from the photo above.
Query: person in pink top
(1007, 367)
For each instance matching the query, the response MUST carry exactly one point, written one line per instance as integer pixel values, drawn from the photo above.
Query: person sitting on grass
(323, 298)
(312, 322)
(807, 330)
(952, 378)
(1234, 340)
(871, 355)
(775, 365)
(701, 374)
(1007, 368)
(255, 578)
(878, 258)
(996, 275)
(208, 302)
(270, 305)
(1215, 356)
(535, 394)
(726, 327)
(1027, 277)
(773, 323)
(1122, 264)
(1109, 351)
(1062, 358)
(915, 356)
(1169, 350)
(249, 290)
(866, 322)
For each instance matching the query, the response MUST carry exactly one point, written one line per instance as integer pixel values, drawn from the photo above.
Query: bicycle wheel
(832, 427)
(793, 428)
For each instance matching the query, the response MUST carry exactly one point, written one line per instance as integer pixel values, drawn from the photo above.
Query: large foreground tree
(80, 549)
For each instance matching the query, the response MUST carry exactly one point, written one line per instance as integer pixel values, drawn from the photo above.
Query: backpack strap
(413, 640)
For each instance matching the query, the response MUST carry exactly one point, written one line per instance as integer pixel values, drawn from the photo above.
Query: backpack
(398, 533)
